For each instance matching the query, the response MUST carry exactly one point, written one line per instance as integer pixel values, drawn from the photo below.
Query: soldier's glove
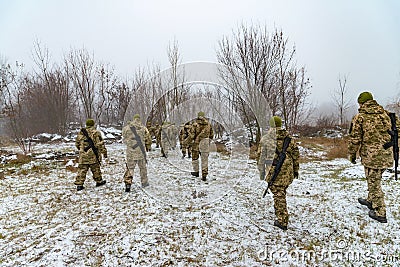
(352, 158)
(296, 175)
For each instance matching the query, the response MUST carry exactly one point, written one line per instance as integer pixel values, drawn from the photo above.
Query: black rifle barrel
(281, 159)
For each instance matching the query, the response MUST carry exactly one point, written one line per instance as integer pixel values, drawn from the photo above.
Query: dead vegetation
(323, 148)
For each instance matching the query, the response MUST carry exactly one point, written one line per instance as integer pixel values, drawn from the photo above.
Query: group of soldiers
(372, 132)
(194, 137)
(165, 136)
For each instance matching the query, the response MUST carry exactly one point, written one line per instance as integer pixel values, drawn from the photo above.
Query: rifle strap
(138, 141)
(91, 144)
(88, 139)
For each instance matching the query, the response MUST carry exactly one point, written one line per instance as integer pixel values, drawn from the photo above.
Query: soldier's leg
(369, 197)
(183, 150)
(143, 172)
(189, 151)
(376, 193)
(158, 141)
(81, 176)
(280, 206)
(128, 177)
(204, 164)
(195, 161)
(95, 168)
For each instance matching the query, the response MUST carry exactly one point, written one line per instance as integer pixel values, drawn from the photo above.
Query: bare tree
(107, 83)
(82, 71)
(339, 97)
(50, 96)
(249, 65)
(256, 60)
(13, 108)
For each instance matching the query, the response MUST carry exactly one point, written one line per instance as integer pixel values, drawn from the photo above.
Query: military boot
(127, 188)
(79, 188)
(103, 182)
(189, 155)
(145, 185)
(204, 178)
(196, 174)
(278, 224)
(364, 202)
(380, 219)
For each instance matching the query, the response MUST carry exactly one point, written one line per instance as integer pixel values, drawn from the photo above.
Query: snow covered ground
(181, 221)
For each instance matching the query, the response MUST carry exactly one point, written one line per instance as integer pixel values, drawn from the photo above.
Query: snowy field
(181, 221)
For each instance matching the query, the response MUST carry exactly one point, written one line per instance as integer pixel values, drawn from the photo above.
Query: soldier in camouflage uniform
(149, 128)
(201, 134)
(183, 135)
(268, 151)
(166, 134)
(368, 134)
(135, 136)
(87, 156)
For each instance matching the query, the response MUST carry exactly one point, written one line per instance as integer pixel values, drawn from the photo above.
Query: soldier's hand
(352, 159)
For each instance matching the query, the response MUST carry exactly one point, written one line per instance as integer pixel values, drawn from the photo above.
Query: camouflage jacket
(86, 154)
(167, 134)
(368, 134)
(200, 135)
(267, 156)
(184, 133)
(133, 151)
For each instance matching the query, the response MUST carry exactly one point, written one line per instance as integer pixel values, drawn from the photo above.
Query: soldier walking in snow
(91, 146)
(135, 137)
(368, 135)
(200, 137)
(274, 147)
(183, 140)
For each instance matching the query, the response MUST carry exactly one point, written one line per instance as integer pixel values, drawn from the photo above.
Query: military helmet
(275, 121)
(201, 114)
(364, 97)
(89, 122)
(136, 116)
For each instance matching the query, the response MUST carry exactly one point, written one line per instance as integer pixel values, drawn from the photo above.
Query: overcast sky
(358, 38)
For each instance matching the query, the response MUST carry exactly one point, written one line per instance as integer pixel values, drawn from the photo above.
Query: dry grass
(338, 149)
(334, 147)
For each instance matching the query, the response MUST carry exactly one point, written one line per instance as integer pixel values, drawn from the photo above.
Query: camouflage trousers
(204, 162)
(375, 193)
(128, 175)
(280, 206)
(188, 149)
(82, 171)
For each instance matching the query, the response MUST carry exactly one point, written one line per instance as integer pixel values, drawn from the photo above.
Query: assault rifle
(91, 144)
(138, 142)
(394, 142)
(279, 162)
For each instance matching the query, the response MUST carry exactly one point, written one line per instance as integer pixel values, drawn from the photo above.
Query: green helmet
(364, 97)
(201, 114)
(275, 122)
(136, 116)
(89, 122)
